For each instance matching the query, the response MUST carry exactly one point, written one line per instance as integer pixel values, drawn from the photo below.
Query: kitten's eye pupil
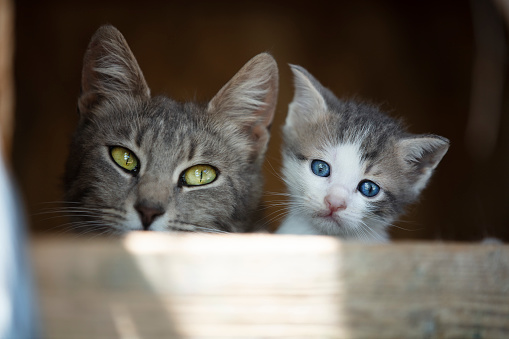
(199, 175)
(368, 188)
(320, 168)
(124, 158)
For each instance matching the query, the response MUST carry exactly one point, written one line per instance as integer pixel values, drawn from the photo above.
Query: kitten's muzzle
(335, 203)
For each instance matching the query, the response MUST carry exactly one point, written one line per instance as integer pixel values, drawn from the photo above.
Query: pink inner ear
(86, 102)
(260, 132)
(260, 135)
(425, 152)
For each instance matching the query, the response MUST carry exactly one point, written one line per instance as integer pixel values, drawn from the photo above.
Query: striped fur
(230, 133)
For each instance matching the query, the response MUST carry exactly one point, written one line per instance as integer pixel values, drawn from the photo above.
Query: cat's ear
(308, 102)
(421, 154)
(110, 70)
(248, 100)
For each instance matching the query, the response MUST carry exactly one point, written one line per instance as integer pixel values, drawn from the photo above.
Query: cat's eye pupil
(320, 168)
(199, 175)
(125, 159)
(368, 188)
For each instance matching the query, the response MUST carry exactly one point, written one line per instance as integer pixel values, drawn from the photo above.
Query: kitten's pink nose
(335, 203)
(148, 214)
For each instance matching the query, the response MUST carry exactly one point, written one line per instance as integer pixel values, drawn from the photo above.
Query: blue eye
(368, 188)
(320, 168)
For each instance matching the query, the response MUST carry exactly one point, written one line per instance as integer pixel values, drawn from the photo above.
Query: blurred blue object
(17, 302)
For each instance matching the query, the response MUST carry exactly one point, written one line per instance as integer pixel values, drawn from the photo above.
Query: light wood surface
(263, 286)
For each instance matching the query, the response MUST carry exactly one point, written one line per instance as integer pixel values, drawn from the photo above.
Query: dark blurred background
(440, 65)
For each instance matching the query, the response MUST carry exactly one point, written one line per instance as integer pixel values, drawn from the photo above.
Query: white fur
(309, 209)
(297, 224)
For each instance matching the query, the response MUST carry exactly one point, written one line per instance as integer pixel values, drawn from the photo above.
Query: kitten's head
(349, 168)
(138, 162)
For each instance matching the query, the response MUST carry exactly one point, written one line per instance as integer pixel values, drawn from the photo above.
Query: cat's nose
(148, 214)
(335, 203)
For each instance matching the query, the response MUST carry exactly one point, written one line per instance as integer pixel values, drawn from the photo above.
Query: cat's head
(139, 162)
(350, 169)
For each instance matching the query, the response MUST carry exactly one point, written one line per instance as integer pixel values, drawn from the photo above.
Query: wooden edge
(153, 285)
(154, 242)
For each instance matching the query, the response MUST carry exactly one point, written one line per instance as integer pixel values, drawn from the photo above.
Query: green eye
(124, 158)
(199, 175)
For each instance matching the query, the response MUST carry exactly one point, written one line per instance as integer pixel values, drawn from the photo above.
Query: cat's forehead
(157, 119)
(166, 131)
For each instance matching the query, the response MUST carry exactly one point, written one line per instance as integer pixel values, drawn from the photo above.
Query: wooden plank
(6, 76)
(262, 286)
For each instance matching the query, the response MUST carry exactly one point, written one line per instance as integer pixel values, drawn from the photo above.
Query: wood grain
(263, 286)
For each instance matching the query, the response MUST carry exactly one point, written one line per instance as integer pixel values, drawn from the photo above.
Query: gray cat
(349, 168)
(150, 163)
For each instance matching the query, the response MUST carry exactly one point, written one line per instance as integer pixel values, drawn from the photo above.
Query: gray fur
(231, 133)
(318, 121)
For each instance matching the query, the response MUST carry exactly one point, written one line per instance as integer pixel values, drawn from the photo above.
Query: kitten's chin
(330, 217)
(330, 224)
(336, 225)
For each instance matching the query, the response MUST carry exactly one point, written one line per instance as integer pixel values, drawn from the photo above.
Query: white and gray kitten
(139, 162)
(350, 169)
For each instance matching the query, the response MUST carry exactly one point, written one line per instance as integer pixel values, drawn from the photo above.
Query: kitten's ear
(308, 102)
(421, 154)
(109, 70)
(249, 99)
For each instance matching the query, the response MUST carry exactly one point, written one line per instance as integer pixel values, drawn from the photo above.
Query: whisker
(274, 172)
(178, 223)
(274, 216)
(376, 218)
(211, 230)
(277, 194)
(370, 230)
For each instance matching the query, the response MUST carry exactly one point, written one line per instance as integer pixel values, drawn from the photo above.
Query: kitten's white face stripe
(346, 169)
(339, 189)
(335, 207)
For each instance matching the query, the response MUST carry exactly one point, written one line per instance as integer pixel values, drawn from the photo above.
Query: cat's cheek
(132, 222)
